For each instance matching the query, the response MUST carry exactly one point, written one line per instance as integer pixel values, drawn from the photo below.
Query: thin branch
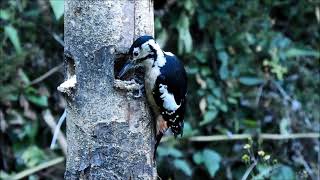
(261, 136)
(58, 38)
(298, 158)
(260, 90)
(248, 171)
(290, 136)
(45, 75)
(48, 118)
(57, 133)
(54, 35)
(282, 91)
(35, 169)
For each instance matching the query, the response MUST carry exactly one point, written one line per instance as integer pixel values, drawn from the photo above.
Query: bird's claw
(140, 92)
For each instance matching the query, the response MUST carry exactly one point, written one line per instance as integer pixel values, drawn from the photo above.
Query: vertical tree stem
(109, 133)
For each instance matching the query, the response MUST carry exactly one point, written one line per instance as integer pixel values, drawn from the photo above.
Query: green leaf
(4, 175)
(201, 56)
(198, 158)
(250, 81)
(187, 130)
(157, 23)
(38, 100)
(209, 117)
(232, 100)
(183, 166)
(185, 39)
(294, 52)
(169, 151)
(223, 72)
(4, 14)
(276, 172)
(218, 42)
(223, 56)
(251, 40)
(23, 77)
(250, 123)
(33, 156)
(211, 161)
(205, 71)
(285, 125)
(162, 38)
(264, 172)
(223, 107)
(57, 7)
(9, 92)
(31, 129)
(12, 33)
(202, 20)
(188, 5)
(283, 172)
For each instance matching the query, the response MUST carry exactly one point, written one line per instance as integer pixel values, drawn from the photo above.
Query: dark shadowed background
(253, 69)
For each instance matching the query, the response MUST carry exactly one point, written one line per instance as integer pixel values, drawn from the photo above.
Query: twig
(289, 136)
(261, 136)
(298, 158)
(260, 90)
(45, 75)
(54, 35)
(248, 171)
(282, 91)
(57, 38)
(48, 118)
(35, 169)
(57, 131)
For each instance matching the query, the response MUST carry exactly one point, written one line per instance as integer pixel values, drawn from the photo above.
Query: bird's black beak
(126, 67)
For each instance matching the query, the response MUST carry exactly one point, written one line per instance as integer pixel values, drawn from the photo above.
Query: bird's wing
(170, 89)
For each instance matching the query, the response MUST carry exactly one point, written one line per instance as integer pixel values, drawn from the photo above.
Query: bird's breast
(149, 82)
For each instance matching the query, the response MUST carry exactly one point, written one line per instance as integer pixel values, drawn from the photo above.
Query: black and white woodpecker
(165, 84)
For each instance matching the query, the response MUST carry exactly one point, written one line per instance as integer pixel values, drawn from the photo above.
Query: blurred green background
(253, 67)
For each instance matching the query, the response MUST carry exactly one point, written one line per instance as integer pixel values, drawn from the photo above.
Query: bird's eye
(135, 53)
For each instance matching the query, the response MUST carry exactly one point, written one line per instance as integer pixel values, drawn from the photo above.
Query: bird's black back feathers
(172, 75)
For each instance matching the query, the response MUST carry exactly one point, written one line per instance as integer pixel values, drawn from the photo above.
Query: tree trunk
(109, 133)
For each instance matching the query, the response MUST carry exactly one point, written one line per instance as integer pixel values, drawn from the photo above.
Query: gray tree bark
(109, 133)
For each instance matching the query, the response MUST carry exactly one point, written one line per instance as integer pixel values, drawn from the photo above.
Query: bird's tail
(158, 139)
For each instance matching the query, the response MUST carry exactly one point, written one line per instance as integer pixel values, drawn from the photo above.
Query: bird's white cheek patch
(169, 102)
(161, 60)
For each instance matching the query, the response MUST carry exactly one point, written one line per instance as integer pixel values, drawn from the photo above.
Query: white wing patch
(169, 102)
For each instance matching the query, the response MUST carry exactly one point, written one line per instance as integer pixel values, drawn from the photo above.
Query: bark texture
(109, 133)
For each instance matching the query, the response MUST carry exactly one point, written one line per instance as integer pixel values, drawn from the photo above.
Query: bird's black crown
(139, 42)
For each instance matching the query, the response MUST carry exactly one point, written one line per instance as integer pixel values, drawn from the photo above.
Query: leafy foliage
(57, 7)
(249, 71)
(210, 159)
(27, 50)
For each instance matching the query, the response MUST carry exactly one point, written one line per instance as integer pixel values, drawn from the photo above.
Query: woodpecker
(165, 83)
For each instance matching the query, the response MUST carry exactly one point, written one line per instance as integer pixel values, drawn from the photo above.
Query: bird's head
(141, 52)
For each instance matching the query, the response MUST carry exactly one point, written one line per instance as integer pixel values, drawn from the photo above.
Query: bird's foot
(141, 91)
(138, 80)
(162, 125)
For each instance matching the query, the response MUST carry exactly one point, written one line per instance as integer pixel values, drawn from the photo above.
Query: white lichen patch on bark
(69, 84)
